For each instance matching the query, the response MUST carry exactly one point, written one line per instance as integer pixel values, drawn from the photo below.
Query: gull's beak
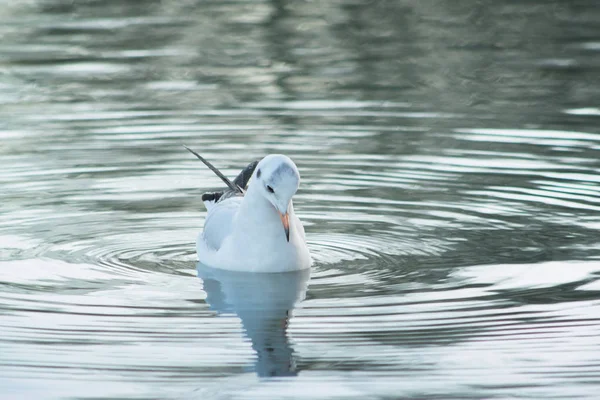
(285, 220)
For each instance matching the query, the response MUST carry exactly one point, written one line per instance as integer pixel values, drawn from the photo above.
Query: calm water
(450, 155)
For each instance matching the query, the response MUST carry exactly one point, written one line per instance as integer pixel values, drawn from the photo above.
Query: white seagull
(251, 226)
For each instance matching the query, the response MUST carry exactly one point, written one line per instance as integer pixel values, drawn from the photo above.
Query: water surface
(451, 196)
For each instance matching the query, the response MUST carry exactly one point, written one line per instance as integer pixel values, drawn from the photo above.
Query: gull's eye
(270, 189)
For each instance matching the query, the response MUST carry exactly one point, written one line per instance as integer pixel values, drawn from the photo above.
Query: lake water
(450, 162)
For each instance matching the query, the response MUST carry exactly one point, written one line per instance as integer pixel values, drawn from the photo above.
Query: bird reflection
(264, 302)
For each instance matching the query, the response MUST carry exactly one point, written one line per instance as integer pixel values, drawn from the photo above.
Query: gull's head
(277, 178)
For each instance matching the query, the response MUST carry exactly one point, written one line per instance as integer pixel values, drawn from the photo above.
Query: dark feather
(236, 188)
(214, 196)
(244, 176)
(214, 169)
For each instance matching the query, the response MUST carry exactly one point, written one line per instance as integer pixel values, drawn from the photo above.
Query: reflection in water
(264, 303)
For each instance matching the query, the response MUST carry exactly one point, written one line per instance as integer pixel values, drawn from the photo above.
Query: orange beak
(285, 220)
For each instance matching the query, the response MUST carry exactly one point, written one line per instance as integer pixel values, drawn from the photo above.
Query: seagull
(251, 226)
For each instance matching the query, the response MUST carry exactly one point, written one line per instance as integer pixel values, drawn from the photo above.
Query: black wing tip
(244, 176)
(212, 196)
(214, 169)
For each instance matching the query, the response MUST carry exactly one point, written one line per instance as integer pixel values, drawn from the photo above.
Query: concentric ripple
(411, 272)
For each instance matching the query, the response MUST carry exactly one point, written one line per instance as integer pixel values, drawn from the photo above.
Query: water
(449, 155)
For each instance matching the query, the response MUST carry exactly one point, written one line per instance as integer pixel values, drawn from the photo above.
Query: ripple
(452, 217)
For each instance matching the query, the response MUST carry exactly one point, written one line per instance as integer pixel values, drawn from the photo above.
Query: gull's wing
(235, 188)
(222, 206)
(219, 221)
(216, 171)
(244, 176)
(240, 183)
